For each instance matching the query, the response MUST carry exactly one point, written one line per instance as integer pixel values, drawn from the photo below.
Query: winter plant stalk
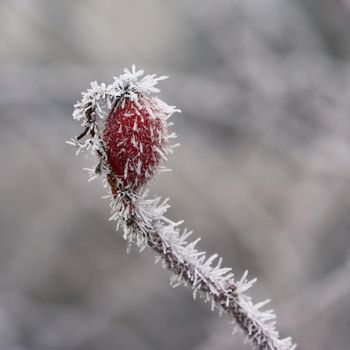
(126, 126)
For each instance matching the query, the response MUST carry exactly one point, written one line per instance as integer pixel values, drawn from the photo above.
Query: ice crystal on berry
(135, 135)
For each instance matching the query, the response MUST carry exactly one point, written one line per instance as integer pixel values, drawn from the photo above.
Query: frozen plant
(126, 126)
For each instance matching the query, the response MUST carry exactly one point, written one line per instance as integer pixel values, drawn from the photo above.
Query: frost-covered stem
(138, 144)
(144, 224)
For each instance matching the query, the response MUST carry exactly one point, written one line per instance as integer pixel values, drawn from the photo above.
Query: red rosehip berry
(134, 137)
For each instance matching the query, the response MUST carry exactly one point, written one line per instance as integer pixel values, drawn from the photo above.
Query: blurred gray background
(262, 175)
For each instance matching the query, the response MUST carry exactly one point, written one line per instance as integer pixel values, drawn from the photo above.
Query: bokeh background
(263, 173)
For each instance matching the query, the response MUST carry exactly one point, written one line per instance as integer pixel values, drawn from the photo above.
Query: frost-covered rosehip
(135, 137)
(125, 125)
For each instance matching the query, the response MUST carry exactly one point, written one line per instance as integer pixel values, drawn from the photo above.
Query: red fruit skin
(131, 136)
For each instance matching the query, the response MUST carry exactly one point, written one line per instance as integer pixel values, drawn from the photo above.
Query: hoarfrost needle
(126, 126)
